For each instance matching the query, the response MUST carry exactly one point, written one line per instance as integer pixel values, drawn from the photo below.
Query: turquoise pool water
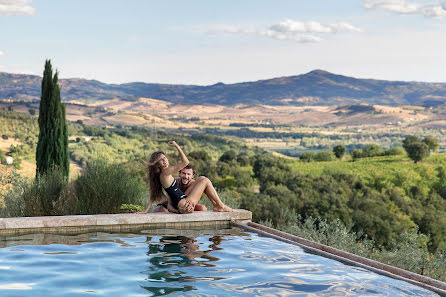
(179, 263)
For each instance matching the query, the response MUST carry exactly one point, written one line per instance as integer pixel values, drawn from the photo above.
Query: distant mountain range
(317, 87)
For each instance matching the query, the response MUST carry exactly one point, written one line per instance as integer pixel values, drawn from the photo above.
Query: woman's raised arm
(184, 161)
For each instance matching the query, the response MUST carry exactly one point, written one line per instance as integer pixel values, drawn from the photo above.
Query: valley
(286, 129)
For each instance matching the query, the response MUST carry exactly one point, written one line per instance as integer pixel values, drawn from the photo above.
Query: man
(185, 180)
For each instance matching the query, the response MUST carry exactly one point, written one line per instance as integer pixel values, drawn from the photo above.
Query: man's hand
(173, 143)
(185, 206)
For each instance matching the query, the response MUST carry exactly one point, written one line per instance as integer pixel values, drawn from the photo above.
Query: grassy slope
(381, 171)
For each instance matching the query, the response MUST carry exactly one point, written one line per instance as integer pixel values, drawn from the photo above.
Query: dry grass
(5, 144)
(126, 119)
(166, 114)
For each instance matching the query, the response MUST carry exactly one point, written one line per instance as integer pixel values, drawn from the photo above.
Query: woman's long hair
(154, 171)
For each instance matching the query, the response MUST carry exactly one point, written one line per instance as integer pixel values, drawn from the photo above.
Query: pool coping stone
(54, 223)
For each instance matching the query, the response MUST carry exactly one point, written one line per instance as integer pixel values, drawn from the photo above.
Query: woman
(160, 177)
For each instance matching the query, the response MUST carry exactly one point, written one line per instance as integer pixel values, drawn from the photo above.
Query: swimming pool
(227, 262)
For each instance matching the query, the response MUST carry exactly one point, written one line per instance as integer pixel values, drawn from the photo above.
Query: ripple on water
(211, 265)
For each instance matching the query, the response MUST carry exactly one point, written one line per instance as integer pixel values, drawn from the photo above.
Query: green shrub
(38, 197)
(67, 202)
(131, 208)
(229, 198)
(104, 187)
(321, 156)
(306, 157)
(395, 151)
(12, 186)
(324, 156)
(2, 157)
(332, 233)
(44, 192)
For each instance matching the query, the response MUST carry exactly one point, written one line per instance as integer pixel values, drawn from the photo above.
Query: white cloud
(344, 27)
(1, 53)
(398, 6)
(16, 7)
(434, 11)
(291, 30)
(403, 7)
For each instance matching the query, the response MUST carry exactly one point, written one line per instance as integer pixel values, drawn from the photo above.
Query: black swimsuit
(163, 204)
(175, 193)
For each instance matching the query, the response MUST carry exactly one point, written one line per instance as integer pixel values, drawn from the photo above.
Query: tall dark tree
(52, 147)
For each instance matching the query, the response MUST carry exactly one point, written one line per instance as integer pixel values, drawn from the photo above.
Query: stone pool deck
(122, 222)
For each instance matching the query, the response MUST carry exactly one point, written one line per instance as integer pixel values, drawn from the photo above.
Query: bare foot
(224, 208)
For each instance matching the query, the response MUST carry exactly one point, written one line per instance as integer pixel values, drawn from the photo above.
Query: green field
(382, 172)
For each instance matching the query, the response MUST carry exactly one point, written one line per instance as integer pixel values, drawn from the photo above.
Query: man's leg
(200, 207)
(204, 185)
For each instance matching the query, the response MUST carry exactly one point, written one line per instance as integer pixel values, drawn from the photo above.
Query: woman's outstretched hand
(172, 143)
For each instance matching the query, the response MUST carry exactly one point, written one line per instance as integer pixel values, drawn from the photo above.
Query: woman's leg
(204, 185)
(160, 208)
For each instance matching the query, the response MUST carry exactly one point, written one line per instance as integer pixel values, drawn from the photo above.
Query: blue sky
(205, 42)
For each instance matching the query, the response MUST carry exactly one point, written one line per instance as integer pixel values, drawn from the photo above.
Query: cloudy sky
(206, 41)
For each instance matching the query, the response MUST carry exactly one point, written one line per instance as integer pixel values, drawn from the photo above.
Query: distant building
(9, 160)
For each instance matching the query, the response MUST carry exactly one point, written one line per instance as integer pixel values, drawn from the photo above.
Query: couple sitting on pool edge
(185, 180)
(183, 193)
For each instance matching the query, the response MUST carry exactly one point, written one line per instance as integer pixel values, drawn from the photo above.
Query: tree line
(416, 149)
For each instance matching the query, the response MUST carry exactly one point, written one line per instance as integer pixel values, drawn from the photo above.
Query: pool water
(209, 263)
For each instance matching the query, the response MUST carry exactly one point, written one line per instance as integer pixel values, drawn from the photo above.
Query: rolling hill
(317, 87)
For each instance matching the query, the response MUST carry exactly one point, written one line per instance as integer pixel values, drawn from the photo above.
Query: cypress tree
(52, 147)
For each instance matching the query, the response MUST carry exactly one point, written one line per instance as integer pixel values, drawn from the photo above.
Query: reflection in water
(66, 239)
(170, 253)
(17, 286)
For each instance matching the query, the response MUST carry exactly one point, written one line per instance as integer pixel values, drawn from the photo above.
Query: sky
(203, 42)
